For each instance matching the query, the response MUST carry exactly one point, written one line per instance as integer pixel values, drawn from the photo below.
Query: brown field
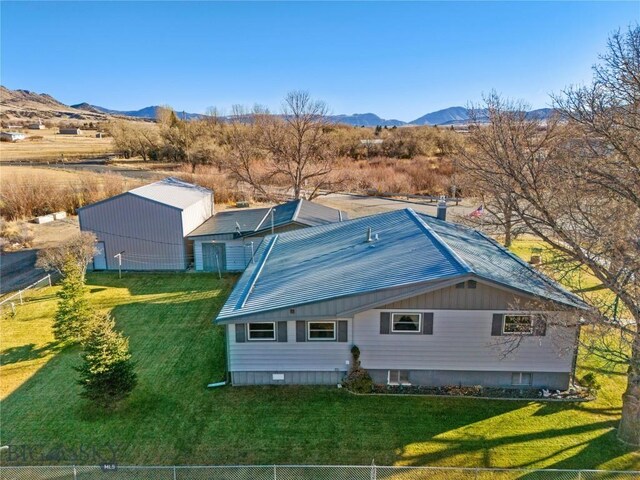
(52, 146)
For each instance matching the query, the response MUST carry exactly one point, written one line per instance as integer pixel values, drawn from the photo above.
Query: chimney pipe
(369, 238)
(442, 208)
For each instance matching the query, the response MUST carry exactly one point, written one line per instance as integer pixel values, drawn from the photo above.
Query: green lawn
(172, 418)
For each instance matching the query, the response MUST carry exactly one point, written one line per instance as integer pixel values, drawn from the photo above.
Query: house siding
(460, 350)
(482, 297)
(461, 340)
(290, 356)
(148, 232)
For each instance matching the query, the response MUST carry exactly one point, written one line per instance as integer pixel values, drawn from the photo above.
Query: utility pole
(119, 257)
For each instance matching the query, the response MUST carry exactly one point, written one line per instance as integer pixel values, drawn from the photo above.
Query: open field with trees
(172, 418)
(49, 146)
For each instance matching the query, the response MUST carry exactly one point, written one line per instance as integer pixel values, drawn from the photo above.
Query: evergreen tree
(73, 313)
(106, 374)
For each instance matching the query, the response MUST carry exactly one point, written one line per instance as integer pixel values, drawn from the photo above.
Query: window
(321, 330)
(262, 331)
(398, 377)
(406, 322)
(521, 378)
(518, 325)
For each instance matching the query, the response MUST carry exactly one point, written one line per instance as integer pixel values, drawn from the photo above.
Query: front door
(213, 257)
(100, 258)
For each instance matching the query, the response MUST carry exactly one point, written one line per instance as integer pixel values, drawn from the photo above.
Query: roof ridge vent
(369, 235)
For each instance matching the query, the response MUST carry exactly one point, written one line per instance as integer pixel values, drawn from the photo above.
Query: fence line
(300, 472)
(20, 293)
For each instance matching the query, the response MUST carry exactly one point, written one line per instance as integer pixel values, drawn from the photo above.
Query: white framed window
(517, 325)
(398, 377)
(406, 322)
(262, 331)
(521, 378)
(321, 331)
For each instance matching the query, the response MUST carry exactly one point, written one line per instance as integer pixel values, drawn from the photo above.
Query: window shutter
(385, 320)
(240, 333)
(496, 325)
(539, 325)
(427, 323)
(342, 330)
(301, 331)
(282, 331)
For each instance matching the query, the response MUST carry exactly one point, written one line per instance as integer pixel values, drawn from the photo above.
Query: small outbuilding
(12, 136)
(228, 240)
(36, 126)
(70, 131)
(147, 225)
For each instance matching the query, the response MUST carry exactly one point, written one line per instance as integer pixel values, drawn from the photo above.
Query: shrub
(16, 234)
(358, 380)
(590, 382)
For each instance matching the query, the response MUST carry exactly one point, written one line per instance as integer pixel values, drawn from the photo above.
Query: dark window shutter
(539, 325)
(427, 323)
(301, 331)
(282, 331)
(342, 331)
(240, 333)
(472, 284)
(460, 285)
(496, 325)
(385, 320)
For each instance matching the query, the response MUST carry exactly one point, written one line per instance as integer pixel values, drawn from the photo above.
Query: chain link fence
(301, 472)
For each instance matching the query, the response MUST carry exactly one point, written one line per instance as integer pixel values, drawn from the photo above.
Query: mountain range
(16, 104)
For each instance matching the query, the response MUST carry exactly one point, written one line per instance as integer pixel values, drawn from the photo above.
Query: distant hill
(461, 115)
(366, 119)
(147, 112)
(23, 104)
(443, 117)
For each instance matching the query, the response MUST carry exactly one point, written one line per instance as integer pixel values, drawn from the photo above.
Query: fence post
(20, 294)
(49, 278)
(75, 473)
(175, 473)
(579, 474)
(275, 473)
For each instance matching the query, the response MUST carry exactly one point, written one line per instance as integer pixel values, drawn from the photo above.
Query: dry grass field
(48, 145)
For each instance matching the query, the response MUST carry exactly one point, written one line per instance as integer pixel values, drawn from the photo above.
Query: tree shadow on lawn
(592, 452)
(23, 353)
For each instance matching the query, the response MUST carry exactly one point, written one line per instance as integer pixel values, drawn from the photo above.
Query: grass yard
(172, 418)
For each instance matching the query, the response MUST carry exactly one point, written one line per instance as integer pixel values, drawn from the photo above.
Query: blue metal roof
(335, 260)
(259, 219)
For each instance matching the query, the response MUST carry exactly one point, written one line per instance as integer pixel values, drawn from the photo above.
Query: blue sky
(399, 60)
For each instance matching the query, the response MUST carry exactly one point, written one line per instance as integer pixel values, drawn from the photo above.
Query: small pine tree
(107, 373)
(73, 313)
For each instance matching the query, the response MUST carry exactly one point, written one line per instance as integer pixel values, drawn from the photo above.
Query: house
(70, 131)
(36, 126)
(147, 225)
(427, 302)
(229, 239)
(12, 136)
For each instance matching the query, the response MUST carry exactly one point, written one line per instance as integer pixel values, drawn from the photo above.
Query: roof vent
(369, 237)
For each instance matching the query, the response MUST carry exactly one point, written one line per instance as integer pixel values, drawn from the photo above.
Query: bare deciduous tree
(293, 149)
(80, 248)
(492, 150)
(583, 199)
